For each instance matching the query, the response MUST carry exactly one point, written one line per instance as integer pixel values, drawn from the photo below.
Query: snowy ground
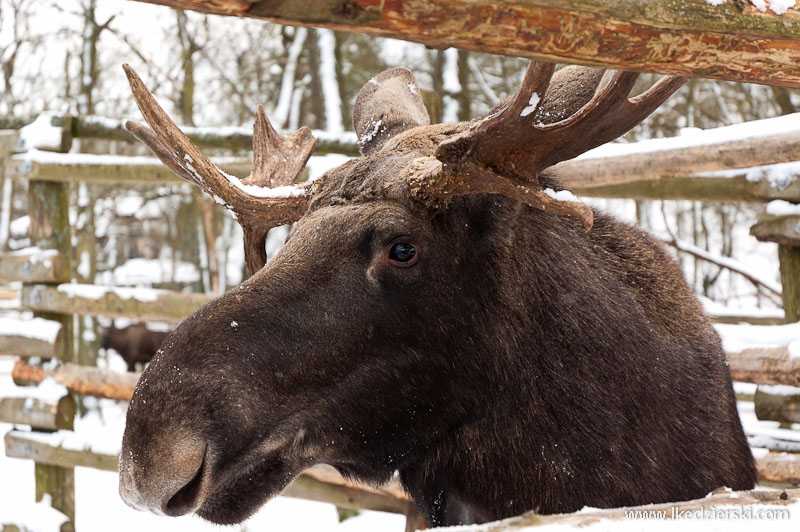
(98, 504)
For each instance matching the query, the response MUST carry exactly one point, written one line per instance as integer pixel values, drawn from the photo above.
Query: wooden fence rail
(320, 484)
(697, 167)
(734, 41)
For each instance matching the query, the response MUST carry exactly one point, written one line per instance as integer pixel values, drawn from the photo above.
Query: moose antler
(542, 124)
(265, 199)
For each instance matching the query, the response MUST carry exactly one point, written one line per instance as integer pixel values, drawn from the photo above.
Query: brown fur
(522, 363)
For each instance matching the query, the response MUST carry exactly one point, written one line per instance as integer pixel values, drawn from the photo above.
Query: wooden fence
(665, 168)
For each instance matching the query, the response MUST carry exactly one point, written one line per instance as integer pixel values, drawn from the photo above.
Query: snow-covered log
(146, 304)
(755, 143)
(237, 138)
(35, 337)
(765, 365)
(85, 380)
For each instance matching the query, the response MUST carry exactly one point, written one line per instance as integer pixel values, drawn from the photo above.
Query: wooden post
(48, 205)
(785, 231)
(789, 257)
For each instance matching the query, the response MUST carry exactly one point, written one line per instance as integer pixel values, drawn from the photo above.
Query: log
(765, 365)
(79, 379)
(752, 320)
(720, 504)
(33, 266)
(321, 484)
(232, 138)
(780, 468)
(104, 169)
(784, 230)
(684, 37)
(777, 403)
(39, 413)
(757, 143)
(692, 188)
(31, 338)
(146, 304)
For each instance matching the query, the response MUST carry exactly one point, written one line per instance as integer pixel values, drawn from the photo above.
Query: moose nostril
(185, 500)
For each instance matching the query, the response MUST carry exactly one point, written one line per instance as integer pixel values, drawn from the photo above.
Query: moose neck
(584, 356)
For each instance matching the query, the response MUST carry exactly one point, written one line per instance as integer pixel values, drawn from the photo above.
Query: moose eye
(403, 253)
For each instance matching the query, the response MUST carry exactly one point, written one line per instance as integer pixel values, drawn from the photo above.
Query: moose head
(442, 309)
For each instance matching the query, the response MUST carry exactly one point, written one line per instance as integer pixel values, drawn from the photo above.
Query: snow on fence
(663, 168)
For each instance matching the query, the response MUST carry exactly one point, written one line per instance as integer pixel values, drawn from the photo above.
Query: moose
(441, 308)
(135, 343)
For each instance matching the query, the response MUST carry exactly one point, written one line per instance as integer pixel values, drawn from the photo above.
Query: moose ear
(388, 104)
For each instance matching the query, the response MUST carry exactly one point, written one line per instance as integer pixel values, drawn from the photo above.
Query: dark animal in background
(441, 310)
(135, 343)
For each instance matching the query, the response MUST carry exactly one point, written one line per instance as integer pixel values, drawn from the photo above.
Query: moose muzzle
(168, 481)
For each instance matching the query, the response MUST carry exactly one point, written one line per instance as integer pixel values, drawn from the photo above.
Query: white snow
(234, 324)
(782, 208)
(748, 130)
(370, 134)
(718, 309)
(761, 5)
(794, 349)
(34, 516)
(286, 191)
(779, 389)
(561, 195)
(91, 291)
(19, 227)
(759, 452)
(48, 391)
(779, 176)
(34, 328)
(140, 271)
(129, 205)
(779, 7)
(319, 164)
(743, 335)
(533, 102)
(40, 134)
(716, 2)
(48, 157)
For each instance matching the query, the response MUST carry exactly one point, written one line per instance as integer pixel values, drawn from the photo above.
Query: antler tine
(151, 140)
(545, 122)
(607, 116)
(257, 208)
(278, 160)
(634, 110)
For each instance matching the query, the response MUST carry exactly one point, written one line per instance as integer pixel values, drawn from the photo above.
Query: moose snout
(169, 481)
